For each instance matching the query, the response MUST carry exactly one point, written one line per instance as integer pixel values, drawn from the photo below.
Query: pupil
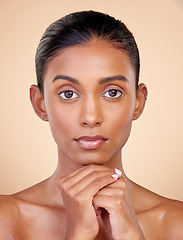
(112, 93)
(68, 94)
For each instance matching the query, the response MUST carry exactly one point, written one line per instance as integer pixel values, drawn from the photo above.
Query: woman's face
(90, 98)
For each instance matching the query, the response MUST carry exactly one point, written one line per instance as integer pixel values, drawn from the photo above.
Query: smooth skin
(89, 90)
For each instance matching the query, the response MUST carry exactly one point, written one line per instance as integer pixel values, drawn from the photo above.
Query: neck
(66, 166)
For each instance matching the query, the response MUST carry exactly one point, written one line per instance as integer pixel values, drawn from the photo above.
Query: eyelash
(63, 94)
(118, 92)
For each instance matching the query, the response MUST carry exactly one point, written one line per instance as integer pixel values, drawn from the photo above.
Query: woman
(87, 66)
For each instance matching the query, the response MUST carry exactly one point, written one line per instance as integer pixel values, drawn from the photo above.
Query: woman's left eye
(68, 94)
(113, 93)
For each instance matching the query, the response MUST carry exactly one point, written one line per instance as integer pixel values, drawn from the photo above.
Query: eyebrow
(65, 78)
(102, 81)
(113, 78)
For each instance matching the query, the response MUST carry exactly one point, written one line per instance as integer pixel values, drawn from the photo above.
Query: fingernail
(115, 176)
(119, 173)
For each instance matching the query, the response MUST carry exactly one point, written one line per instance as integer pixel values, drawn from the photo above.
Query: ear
(141, 97)
(37, 100)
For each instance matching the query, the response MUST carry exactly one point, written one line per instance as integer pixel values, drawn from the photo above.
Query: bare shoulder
(9, 212)
(159, 217)
(164, 220)
(29, 214)
(14, 210)
(8, 207)
(172, 218)
(167, 217)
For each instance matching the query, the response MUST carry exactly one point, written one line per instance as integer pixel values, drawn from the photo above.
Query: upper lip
(91, 138)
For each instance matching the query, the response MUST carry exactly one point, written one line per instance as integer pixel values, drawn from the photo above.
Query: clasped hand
(98, 190)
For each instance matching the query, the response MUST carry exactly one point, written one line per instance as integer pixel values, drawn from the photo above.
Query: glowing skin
(90, 100)
(89, 91)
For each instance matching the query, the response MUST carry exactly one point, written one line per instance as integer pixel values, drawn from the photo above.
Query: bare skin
(89, 92)
(31, 215)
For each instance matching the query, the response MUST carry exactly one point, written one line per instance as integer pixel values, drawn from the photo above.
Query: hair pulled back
(78, 29)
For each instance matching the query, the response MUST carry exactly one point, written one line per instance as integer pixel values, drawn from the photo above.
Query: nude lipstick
(91, 141)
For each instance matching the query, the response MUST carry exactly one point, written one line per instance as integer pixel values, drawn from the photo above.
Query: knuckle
(71, 193)
(121, 193)
(122, 183)
(63, 187)
(102, 181)
(93, 174)
(92, 167)
(96, 182)
(79, 199)
(60, 181)
(118, 202)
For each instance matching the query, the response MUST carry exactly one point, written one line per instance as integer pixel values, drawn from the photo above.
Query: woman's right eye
(68, 94)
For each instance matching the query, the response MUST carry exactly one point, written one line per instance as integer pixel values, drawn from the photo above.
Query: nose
(91, 113)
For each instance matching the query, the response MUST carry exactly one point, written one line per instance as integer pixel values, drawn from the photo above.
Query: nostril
(87, 124)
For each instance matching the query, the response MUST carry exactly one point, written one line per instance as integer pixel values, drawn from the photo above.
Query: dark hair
(79, 28)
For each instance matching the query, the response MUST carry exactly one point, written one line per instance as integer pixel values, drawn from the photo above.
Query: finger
(114, 204)
(92, 171)
(65, 177)
(110, 192)
(120, 183)
(92, 176)
(98, 183)
(83, 196)
(89, 168)
(110, 203)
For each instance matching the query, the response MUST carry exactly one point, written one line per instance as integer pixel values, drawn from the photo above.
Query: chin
(91, 158)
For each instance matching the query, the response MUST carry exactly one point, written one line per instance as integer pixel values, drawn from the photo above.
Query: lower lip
(91, 144)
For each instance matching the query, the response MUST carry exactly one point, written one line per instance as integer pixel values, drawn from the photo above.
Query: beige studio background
(153, 156)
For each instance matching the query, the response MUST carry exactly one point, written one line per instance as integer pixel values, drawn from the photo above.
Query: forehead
(96, 59)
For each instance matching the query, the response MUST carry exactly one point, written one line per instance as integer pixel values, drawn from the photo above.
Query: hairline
(86, 42)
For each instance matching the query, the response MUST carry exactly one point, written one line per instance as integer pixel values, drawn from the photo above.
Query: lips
(91, 142)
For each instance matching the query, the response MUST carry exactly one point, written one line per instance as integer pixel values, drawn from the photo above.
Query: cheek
(121, 122)
(61, 123)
